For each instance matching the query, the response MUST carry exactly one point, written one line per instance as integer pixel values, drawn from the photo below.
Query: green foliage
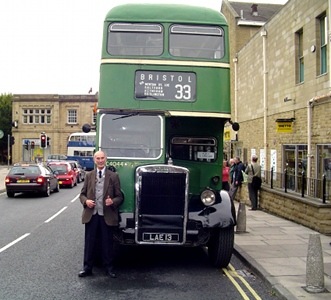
(5, 122)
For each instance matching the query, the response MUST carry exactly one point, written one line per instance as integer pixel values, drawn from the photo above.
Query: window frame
(323, 44)
(72, 116)
(300, 63)
(137, 33)
(180, 34)
(36, 116)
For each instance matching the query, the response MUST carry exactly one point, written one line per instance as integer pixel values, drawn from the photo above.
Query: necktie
(100, 174)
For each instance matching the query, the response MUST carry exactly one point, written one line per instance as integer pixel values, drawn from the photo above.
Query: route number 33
(183, 92)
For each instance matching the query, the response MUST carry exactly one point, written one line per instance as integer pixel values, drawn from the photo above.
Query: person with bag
(254, 181)
(237, 179)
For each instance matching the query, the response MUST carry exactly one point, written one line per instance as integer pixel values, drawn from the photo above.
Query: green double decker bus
(164, 98)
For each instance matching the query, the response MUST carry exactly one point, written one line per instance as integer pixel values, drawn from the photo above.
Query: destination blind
(172, 86)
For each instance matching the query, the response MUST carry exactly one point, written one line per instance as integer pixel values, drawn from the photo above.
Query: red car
(65, 173)
(30, 177)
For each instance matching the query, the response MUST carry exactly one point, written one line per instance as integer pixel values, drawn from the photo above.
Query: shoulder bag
(256, 180)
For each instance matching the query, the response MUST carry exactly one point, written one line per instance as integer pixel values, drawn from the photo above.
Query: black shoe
(252, 209)
(85, 273)
(111, 274)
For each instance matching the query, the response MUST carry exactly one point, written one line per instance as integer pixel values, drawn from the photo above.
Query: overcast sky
(54, 46)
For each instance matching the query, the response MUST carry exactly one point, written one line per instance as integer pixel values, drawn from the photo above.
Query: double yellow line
(232, 274)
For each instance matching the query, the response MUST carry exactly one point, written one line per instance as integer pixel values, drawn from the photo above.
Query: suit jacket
(238, 176)
(112, 188)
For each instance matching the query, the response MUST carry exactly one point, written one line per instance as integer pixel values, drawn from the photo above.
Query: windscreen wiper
(127, 116)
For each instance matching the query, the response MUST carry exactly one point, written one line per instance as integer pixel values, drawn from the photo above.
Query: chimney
(254, 10)
(241, 14)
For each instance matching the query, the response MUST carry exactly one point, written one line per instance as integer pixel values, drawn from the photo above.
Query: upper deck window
(196, 41)
(135, 39)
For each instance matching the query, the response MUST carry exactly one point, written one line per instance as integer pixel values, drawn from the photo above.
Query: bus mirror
(235, 126)
(86, 128)
(112, 168)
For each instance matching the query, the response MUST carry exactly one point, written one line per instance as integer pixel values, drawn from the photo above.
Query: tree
(5, 124)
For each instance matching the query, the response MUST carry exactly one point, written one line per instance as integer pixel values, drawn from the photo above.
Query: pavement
(288, 256)
(3, 172)
(285, 254)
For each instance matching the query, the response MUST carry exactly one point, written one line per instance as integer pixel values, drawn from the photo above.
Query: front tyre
(220, 246)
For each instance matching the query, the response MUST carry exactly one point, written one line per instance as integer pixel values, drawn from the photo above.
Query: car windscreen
(31, 170)
(60, 169)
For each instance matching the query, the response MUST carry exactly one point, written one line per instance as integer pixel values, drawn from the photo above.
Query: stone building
(281, 90)
(245, 20)
(56, 115)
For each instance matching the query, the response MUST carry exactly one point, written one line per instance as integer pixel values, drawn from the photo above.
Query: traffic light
(12, 140)
(32, 145)
(48, 139)
(43, 140)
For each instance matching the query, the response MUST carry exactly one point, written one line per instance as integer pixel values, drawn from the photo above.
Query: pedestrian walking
(237, 178)
(232, 167)
(225, 176)
(253, 170)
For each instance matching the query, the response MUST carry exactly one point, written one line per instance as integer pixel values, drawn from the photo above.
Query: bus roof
(83, 133)
(165, 13)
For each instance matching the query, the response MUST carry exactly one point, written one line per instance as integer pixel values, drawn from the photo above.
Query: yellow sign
(227, 134)
(284, 127)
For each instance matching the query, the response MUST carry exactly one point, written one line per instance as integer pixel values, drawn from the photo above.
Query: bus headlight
(208, 197)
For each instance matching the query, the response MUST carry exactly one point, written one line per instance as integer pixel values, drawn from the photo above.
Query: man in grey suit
(100, 196)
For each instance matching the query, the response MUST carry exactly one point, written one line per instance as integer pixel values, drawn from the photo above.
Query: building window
(295, 162)
(37, 116)
(323, 23)
(300, 59)
(94, 118)
(72, 116)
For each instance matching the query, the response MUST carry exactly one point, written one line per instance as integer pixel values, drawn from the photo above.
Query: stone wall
(309, 212)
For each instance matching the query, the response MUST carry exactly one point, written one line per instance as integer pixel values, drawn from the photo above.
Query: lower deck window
(194, 148)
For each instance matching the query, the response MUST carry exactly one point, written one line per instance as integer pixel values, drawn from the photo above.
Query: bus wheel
(220, 246)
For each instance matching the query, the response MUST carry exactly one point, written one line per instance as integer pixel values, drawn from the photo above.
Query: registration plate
(160, 237)
(23, 181)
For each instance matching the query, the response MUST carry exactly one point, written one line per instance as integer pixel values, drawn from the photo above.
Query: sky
(54, 46)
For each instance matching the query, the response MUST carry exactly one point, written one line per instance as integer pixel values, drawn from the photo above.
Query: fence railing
(313, 187)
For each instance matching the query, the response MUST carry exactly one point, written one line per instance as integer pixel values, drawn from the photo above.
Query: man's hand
(109, 201)
(90, 203)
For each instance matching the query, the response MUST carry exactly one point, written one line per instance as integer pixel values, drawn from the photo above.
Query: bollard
(315, 265)
(241, 218)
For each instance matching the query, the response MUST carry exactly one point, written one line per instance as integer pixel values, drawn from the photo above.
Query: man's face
(99, 159)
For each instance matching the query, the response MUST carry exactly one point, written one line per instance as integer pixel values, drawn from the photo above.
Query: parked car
(31, 177)
(65, 171)
(55, 157)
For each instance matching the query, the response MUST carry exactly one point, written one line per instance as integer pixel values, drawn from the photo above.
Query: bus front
(163, 102)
